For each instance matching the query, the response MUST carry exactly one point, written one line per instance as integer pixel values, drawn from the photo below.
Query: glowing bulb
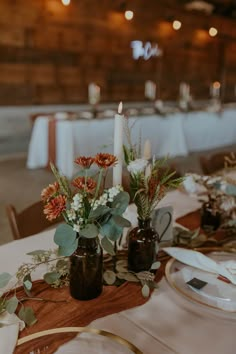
(213, 31)
(65, 2)
(129, 15)
(176, 25)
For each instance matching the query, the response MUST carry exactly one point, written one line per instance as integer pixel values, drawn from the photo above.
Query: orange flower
(80, 183)
(55, 207)
(105, 160)
(49, 191)
(84, 162)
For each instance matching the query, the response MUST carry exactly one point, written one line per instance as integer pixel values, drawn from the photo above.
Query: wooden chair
(213, 163)
(29, 221)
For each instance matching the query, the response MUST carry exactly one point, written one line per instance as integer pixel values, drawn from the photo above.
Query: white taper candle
(118, 146)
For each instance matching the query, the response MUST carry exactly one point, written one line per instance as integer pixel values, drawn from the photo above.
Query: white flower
(137, 166)
(71, 214)
(76, 227)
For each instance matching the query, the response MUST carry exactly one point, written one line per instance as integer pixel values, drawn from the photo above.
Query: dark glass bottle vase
(86, 269)
(210, 219)
(142, 242)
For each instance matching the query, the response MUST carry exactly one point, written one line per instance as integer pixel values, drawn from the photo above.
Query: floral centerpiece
(89, 210)
(149, 183)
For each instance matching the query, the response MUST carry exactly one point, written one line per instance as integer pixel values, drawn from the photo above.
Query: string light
(176, 25)
(213, 31)
(129, 15)
(65, 2)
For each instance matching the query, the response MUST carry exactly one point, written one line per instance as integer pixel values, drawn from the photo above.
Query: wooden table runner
(74, 313)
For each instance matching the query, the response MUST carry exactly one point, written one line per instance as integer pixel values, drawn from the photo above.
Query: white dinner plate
(217, 293)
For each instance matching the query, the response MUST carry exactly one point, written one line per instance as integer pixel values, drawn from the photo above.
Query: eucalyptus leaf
(120, 221)
(111, 230)
(109, 277)
(4, 279)
(11, 304)
(89, 231)
(145, 291)
(100, 211)
(231, 190)
(37, 253)
(131, 277)
(51, 277)
(156, 265)
(28, 285)
(67, 250)
(120, 203)
(107, 245)
(121, 268)
(65, 235)
(27, 315)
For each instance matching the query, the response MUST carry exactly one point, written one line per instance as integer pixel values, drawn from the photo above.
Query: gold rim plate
(174, 275)
(95, 331)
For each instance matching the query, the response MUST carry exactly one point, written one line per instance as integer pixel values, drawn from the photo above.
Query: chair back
(213, 163)
(29, 221)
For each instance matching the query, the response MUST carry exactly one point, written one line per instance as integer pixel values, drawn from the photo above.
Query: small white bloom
(76, 227)
(71, 214)
(137, 166)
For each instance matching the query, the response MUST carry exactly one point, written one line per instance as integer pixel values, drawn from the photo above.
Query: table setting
(128, 271)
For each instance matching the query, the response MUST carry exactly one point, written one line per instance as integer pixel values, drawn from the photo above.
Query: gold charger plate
(123, 342)
(217, 294)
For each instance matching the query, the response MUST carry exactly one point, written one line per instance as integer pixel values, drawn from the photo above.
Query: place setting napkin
(198, 260)
(10, 325)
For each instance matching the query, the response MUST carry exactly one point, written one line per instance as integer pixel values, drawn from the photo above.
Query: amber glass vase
(142, 245)
(86, 269)
(210, 218)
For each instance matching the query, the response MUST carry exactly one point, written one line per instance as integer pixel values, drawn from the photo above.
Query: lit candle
(118, 146)
(94, 93)
(147, 150)
(150, 90)
(215, 89)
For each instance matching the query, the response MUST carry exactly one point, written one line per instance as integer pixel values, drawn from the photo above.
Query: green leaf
(51, 277)
(27, 284)
(100, 211)
(145, 291)
(120, 203)
(109, 277)
(27, 315)
(156, 265)
(67, 250)
(231, 190)
(89, 231)
(4, 279)
(11, 304)
(120, 221)
(65, 235)
(107, 245)
(131, 277)
(111, 230)
(37, 253)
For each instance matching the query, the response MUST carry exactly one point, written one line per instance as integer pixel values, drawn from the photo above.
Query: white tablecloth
(166, 324)
(88, 137)
(174, 135)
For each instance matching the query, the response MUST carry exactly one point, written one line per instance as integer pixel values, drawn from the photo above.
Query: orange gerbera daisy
(80, 183)
(55, 207)
(105, 160)
(84, 162)
(49, 191)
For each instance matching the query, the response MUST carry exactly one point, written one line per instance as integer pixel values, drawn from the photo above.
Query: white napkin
(200, 261)
(10, 325)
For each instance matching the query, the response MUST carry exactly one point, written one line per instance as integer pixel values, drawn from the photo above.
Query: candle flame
(120, 107)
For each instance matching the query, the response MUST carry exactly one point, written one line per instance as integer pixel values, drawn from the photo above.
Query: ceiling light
(65, 2)
(129, 15)
(213, 31)
(176, 25)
